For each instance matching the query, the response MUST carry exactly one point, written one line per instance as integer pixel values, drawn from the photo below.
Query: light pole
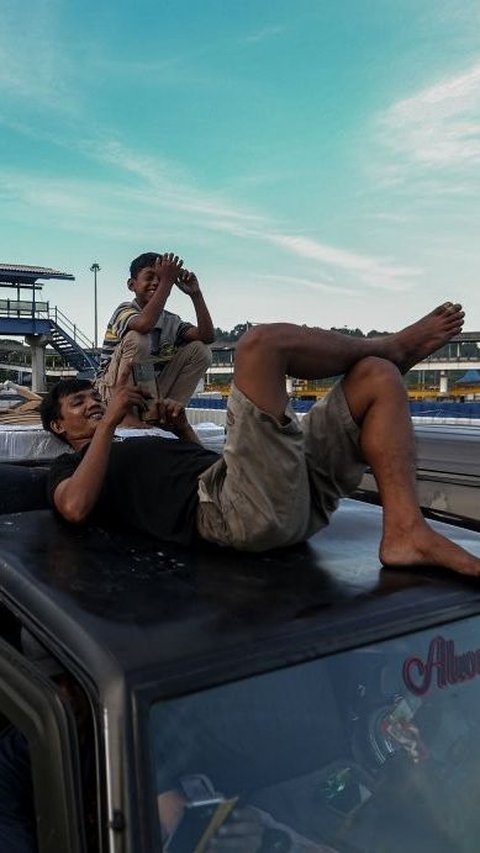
(95, 268)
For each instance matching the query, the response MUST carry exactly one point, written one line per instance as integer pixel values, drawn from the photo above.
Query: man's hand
(241, 833)
(168, 268)
(246, 831)
(188, 283)
(122, 401)
(172, 416)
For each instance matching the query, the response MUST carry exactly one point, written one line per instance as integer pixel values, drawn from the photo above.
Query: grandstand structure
(24, 314)
(440, 374)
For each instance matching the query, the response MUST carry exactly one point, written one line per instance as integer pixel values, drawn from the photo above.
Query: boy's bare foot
(422, 546)
(421, 339)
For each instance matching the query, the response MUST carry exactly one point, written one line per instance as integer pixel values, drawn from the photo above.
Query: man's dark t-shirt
(150, 485)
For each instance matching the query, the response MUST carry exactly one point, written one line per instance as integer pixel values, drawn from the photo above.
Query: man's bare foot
(422, 546)
(421, 339)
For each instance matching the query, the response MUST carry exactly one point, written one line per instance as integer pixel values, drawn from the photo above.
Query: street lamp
(95, 268)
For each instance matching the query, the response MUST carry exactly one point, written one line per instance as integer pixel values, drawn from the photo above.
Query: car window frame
(34, 705)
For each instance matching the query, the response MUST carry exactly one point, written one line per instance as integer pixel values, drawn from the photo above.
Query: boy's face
(144, 285)
(80, 414)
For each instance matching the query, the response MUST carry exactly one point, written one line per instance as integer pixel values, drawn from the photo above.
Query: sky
(315, 161)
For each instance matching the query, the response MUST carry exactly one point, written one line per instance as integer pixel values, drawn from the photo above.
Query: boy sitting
(174, 352)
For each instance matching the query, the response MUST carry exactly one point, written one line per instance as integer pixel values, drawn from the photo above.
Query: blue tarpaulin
(424, 408)
(471, 377)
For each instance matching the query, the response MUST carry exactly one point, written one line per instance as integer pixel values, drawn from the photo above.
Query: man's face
(80, 414)
(144, 285)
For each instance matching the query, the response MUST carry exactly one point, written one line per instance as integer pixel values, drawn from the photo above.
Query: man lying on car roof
(278, 480)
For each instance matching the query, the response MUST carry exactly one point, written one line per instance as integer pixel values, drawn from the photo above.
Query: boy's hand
(172, 416)
(188, 283)
(168, 268)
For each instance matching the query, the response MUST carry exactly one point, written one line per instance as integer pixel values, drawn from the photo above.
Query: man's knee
(135, 345)
(376, 374)
(260, 339)
(373, 379)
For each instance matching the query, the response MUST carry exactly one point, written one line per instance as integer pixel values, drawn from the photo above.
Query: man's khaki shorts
(278, 484)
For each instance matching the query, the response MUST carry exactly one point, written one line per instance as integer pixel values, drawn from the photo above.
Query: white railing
(23, 308)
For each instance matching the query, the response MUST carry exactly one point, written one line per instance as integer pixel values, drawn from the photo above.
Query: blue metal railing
(61, 320)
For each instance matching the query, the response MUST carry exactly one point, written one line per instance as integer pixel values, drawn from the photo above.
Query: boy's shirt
(166, 337)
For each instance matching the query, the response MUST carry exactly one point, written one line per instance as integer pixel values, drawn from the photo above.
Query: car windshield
(368, 750)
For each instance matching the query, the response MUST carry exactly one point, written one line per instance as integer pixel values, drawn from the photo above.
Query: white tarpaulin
(24, 442)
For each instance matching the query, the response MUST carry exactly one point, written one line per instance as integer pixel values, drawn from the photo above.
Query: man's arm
(76, 496)
(203, 331)
(167, 268)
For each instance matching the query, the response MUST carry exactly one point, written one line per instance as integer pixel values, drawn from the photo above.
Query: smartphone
(199, 822)
(143, 373)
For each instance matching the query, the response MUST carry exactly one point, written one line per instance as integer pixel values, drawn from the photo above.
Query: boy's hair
(146, 260)
(50, 405)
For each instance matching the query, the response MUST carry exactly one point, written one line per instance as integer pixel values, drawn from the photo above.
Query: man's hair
(50, 405)
(146, 260)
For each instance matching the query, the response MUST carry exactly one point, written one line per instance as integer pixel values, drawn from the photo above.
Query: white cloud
(164, 184)
(33, 64)
(311, 284)
(395, 218)
(264, 33)
(116, 209)
(373, 272)
(105, 208)
(160, 192)
(439, 126)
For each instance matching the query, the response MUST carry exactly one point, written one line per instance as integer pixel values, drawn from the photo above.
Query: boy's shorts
(277, 484)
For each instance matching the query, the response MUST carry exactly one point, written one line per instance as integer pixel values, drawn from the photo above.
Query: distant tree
(357, 333)
(7, 344)
(229, 337)
(240, 330)
(353, 333)
(222, 336)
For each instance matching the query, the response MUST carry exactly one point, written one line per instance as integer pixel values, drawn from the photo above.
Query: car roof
(448, 448)
(114, 606)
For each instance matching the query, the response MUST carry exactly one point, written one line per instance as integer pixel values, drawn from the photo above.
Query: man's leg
(181, 375)
(378, 401)
(266, 354)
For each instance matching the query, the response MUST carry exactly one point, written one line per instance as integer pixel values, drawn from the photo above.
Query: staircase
(24, 317)
(78, 357)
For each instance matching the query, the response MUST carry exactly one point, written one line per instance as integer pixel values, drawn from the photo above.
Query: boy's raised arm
(204, 330)
(168, 268)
